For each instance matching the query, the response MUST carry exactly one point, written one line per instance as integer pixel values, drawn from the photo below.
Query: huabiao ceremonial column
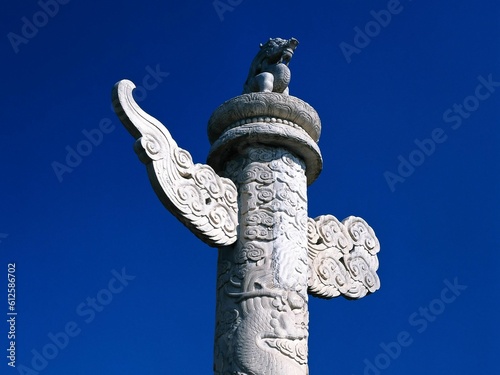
(250, 201)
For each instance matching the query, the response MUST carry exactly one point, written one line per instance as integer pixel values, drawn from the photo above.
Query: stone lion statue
(269, 70)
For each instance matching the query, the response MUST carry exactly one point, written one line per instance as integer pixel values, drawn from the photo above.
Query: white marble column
(262, 316)
(262, 280)
(250, 201)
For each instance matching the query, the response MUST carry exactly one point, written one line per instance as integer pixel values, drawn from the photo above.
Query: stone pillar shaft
(262, 316)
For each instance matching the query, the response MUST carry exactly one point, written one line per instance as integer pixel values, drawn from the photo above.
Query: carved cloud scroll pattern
(262, 315)
(343, 257)
(203, 201)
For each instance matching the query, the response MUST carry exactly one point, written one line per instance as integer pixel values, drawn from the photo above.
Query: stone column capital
(266, 118)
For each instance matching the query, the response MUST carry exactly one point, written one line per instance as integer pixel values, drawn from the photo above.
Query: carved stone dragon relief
(271, 255)
(262, 316)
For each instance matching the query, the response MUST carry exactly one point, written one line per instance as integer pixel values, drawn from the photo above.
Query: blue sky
(408, 93)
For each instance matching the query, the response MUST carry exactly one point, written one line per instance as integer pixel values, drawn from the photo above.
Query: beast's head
(279, 50)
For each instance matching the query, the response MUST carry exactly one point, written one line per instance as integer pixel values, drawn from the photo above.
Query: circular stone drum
(265, 118)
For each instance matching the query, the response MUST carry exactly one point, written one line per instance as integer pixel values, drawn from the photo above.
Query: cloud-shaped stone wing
(342, 257)
(203, 201)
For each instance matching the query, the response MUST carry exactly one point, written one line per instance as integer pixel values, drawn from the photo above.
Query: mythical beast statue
(269, 70)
